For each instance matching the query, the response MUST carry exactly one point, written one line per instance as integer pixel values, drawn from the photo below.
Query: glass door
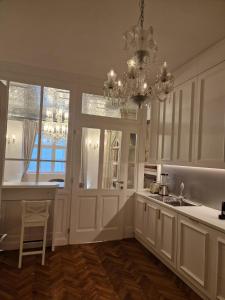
(107, 164)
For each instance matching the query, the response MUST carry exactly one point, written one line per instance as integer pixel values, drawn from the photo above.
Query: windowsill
(55, 185)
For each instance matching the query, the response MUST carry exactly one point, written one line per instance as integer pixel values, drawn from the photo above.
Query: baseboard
(129, 232)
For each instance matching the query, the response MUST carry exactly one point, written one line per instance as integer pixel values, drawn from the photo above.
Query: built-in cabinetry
(193, 250)
(157, 227)
(191, 122)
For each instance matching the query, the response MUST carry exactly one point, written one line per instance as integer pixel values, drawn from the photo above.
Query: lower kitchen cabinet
(195, 253)
(156, 226)
(168, 235)
(140, 205)
(220, 267)
(151, 223)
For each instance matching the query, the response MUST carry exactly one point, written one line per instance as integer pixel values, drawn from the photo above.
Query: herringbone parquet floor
(102, 271)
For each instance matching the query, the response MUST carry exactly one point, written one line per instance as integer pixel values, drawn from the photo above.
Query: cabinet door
(160, 132)
(152, 214)
(168, 127)
(210, 121)
(168, 232)
(220, 274)
(184, 97)
(139, 215)
(194, 252)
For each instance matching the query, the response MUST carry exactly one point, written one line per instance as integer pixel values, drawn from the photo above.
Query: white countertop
(16, 185)
(206, 215)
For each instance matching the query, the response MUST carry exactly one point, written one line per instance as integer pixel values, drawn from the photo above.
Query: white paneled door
(104, 175)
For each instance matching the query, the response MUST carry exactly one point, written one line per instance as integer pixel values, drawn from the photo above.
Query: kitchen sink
(174, 200)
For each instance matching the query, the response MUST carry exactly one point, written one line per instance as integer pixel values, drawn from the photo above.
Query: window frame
(39, 145)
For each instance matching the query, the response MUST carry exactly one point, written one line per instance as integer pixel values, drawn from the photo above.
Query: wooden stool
(34, 214)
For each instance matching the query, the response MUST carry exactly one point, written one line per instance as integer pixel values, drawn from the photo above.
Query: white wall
(13, 170)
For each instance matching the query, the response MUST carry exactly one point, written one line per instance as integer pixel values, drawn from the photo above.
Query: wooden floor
(110, 270)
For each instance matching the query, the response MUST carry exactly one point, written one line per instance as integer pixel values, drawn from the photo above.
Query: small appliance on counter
(154, 187)
(222, 216)
(163, 188)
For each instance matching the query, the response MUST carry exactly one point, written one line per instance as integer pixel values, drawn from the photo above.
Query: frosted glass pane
(131, 160)
(111, 162)
(23, 119)
(100, 106)
(89, 158)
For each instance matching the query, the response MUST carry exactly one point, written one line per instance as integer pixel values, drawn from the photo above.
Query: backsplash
(203, 185)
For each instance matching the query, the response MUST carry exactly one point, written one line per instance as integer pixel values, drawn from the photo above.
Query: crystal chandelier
(55, 126)
(137, 83)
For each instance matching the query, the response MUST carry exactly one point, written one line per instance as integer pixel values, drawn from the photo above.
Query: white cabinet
(184, 96)
(190, 124)
(168, 235)
(140, 205)
(195, 253)
(156, 226)
(168, 128)
(210, 118)
(151, 219)
(220, 267)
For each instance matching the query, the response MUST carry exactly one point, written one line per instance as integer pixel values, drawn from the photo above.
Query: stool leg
(21, 246)
(44, 244)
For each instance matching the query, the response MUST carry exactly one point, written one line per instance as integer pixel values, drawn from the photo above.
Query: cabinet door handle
(159, 213)
(145, 208)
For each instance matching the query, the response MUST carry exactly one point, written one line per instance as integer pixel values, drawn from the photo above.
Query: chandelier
(55, 126)
(137, 83)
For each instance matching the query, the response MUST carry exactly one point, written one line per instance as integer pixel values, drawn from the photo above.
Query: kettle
(154, 187)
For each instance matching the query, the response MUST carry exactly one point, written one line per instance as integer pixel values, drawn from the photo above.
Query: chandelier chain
(141, 18)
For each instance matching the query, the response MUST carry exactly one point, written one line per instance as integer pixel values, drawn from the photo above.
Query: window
(100, 106)
(36, 140)
(89, 158)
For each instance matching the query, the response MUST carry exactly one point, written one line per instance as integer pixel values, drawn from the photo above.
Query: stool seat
(34, 214)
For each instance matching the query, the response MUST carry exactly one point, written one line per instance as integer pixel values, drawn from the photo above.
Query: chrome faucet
(181, 190)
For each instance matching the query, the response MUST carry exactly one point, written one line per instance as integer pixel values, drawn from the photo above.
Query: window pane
(89, 158)
(59, 167)
(32, 168)
(45, 167)
(111, 162)
(55, 117)
(23, 116)
(100, 106)
(57, 175)
(60, 154)
(130, 176)
(131, 161)
(19, 171)
(46, 154)
(132, 147)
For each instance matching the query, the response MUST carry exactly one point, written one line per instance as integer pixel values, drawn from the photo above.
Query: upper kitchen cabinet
(175, 125)
(167, 128)
(210, 118)
(183, 119)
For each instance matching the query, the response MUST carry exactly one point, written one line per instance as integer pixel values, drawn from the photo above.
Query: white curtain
(29, 133)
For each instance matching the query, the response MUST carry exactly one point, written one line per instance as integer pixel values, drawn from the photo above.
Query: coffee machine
(163, 188)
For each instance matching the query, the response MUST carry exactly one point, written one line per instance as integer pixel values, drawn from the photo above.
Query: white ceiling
(85, 36)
